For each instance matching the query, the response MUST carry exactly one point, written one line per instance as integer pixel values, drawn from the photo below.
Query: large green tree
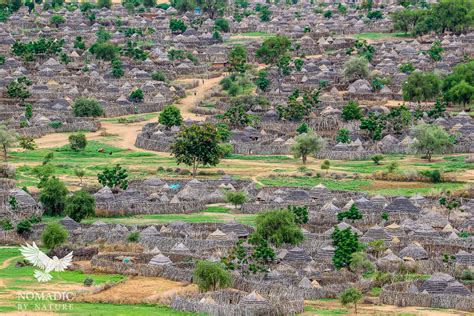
(272, 49)
(197, 145)
(307, 144)
(53, 197)
(211, 276)
(345, 243)
(237, 59)
(421, 87)
(87, 107)
(356, 68)
(170, 116)
(7, 139)
(212, 7)
(430, 139)
(80, 205)
(278, 227)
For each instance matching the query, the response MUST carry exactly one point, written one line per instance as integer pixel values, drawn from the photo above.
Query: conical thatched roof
(253, 299)
(456, 288)
(437, 283)
(217, 235)
(305, 283)
(402, 204)
(297, 255)
(69, 223)
(414, 251)
(236, 228)
(180, 247)
(160, 260)
(375, 233)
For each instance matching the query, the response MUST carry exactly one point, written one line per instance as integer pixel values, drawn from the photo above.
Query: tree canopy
(307, 144)
(272, 49)
(211, 276)
(421, 87)
(170, 116)
(430, 139)
(278, 227)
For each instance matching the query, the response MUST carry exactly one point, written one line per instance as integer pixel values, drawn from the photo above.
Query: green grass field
(379, 36)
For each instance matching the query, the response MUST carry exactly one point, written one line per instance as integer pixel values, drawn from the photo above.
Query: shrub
(170, 116)
(351, 111)
(23, 227)
(158, 76)
(55, 124)
(88, 282)
(133, 237)
(27, 143)
(104, 4)
(85, 107)
(80, 205)
(349, 296)
(434, 175)
(54, 235)
(377, 159)
(136, 96)
(211, 276)
(6, 224)
(236, 198)
(222, 25)
(53, 197)
(278, 227)
(78, 142)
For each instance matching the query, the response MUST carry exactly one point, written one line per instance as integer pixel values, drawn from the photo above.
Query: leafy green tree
(301, 213)
(80, 173)
(377, 158)
(452, 15)
(430, 139)
(360, 263)
(183, 5)
(237, 59)
(57, 20)
(406, 68)
(343, 136)
(7, 140)
(117, 68)
(212, 7)
(158, 76)
(28, 111)
(78, 142)
(53, 197)
(375, 15)
(351, 296)
(236, 198)
(54, 235)
(104, 4)
(87, 107)
(23, 227)
(18, 89)
(462, 93)
(136, 96)
(435, 52)
(303, 128)
(356, 68)
(222, 25)
(353, 214)
(307, 144)
(262, 81)
(345, 243)
(278, 227)
(177, 26)
(326, 165)
(298, 64)
(237, 116)
(27, 142)
(80, 205)
(327, 14)
(170, 116)
(374, 125)
(272, 49)
(197, 145)
(406, 20)
(211, 276)
(421, 87)
(115, 178)
(133, 237)
(79, 43)
(265, 14)
(104, 51)
(351, 111)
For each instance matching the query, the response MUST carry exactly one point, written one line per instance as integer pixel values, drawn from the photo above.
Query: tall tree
(7, 140)
(430, 139)
(197, 145)
(237, 59)
(345, 243)
(210, 276)
(421, 87)
(307, 144)
(272, 49)
(212, 7)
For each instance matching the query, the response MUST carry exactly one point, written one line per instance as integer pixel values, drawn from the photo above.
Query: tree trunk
(355, 308)
(303, 157)
(4, 153)
(194, 169)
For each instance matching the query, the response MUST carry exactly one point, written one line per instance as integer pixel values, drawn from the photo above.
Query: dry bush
(122, 247)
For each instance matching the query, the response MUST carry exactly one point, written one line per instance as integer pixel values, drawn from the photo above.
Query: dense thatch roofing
(253, 299)
(180, 247)
(375, 233)
(69, 223)
(297, 254)
(437, 283)
(326, 253)
(464, 257)
(150, 230)
(236, 228)
(217, 235)
(305, 283)
(160, 260)
(402, 204)
(414, 251)
(456, 288)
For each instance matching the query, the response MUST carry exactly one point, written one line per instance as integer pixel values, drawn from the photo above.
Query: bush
(85, 107)
(236, 198)
(53, 197)
(377, 159)
(211, 276)
(23, 227)
(435, 176)
(78, 142)
(170, 116)
(54, 235)
(88, 282)
(133, 237)
(226, 150)
(222, 25)
(6, 224)
(278, 227)
(158, 76)
(136, 96)
(80, 205)
(104, 4)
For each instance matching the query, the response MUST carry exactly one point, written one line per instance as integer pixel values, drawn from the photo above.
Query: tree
(303, 128)
(421, 87)
(452, 15)
(27, 142)
(375, 15)
(278, 227)
(307, 144)
(158, 76)
(221, 25)
(343, 136)
(80, 173)
(265, 13)
(374, 124)
(356, 68)
(133, 237)
(406, 68)
(360, 263)
(353, 214)
(377, 158)
(80, 205)
(104, 4)
(435, 51)
(24, 226)
(462, 93)
(136, 96)
(236, 198)
(53, 197)
(104, 51)
(117, 68)
(18, 89)
(300, 212)
(272, 49)
(54, 235)
(328, 14)
(197, 145)
(430, 139)
(211, 276)
(78, 142)
(57, 20)
(326, 165)
(262, 81)
(170, 116)
(351, 111)
(351, 296)
(237, 59)
(345, 243)
(87, 107)
(212, 7)
(406, 20)
(177, 26)
(115, 178)
(298, 64)
(7, 140)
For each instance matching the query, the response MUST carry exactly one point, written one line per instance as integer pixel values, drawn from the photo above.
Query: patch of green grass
(319, 311)
(216, 209)
(131, 118)
(301, 181)
(378, 36)
(123, 310)
(375, 291)
(267, 159)
(423, 189)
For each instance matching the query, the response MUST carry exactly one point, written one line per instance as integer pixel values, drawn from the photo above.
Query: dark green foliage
(88, 282)
(296, 109)
(133, 237)
(136, 96)
(435, 51)
(57, 20)
(278, 227)
(351, 111)
(197, 145)
(273, 48)
(170, 116)
(328, 14)
(345, 243)
(114, 178)
(236, 198)
(23, 227)
(349, 296)
(237, 59)
(158, 76)
(53, 197)
(250, 259)
(375, 15)
(27, 142)
(6, 224)
(343, 136)
(300, 212)
(28, 110)
(117, 69)
(433, 175)
(377, 158)
(80, 205)
(303, 128)
(223, 132)
(262, 81)
(353, 214)
(78, 142)
(237, 116)
(406, 68)
(222, 25)
(374, 125)
(79, 43)
(104, 4)
(265, 14)
(177, 26)
(85, 107)
(104, 51)
(384, 216)
(54, 235)
(44, 47)
(18, 89)
(211, 276)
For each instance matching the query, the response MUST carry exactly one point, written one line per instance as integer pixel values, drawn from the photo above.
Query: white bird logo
(40, 260)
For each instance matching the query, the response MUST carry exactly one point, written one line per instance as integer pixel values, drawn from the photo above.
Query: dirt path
(7, 262)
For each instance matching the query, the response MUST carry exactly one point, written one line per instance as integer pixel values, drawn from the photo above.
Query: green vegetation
(210, 276)
(54, 235)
